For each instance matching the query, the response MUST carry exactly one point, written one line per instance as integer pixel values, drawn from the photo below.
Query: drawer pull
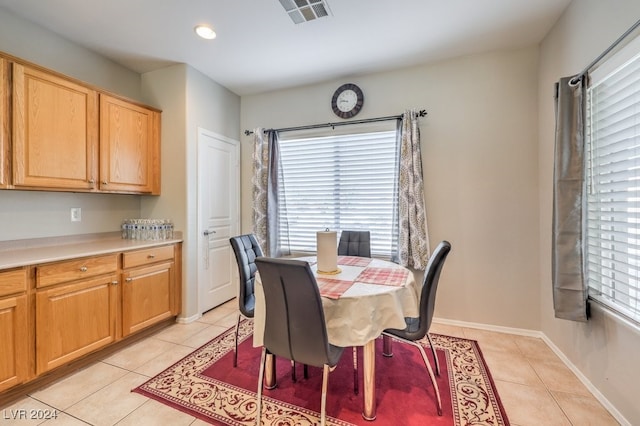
(114, 282)
(83, 269)
(152, 256)
(129, 280)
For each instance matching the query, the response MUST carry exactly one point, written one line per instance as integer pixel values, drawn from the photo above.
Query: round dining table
(363, 298)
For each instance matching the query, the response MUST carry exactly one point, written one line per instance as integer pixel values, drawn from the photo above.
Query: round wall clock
(347, 100)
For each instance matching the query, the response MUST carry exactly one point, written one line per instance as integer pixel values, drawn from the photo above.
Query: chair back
(355, 243)
(294, 323)
(430, 285)
(246, 249)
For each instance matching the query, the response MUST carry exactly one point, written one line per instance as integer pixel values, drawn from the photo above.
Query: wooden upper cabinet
(129, 147)
(55, 131)
(4, 124)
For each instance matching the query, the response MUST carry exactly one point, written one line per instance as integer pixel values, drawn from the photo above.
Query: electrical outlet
(76, 214)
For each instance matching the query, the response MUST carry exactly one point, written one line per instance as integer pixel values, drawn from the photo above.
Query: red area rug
(204, 384)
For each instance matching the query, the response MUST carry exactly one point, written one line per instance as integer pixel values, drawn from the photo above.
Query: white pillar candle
(327, 248)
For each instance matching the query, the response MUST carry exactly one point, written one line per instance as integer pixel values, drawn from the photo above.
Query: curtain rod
(421, 113)
(575, 79)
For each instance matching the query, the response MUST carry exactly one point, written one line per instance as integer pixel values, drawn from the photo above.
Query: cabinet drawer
(132, 259)
(55, 273)
(13, 281)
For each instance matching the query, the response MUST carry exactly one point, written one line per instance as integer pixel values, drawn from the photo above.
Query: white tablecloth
(362, 312)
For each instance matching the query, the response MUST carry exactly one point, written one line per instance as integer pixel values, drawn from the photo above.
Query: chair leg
(263, 358)
(235, 343)
(323, 403)
(355, 370)
(431, 376)
(387, 345)
(293, 371)
(305, 371)
(435, 357)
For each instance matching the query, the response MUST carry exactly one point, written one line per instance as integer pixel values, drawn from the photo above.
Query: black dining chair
(417, 328)
(354, 243)
(295, 326)
(246, 249)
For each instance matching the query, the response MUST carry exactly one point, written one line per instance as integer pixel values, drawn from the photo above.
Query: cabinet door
(73, 320)
(4, 124)
(147, 297)
(55, 131)
(129, 147)
(14, 357)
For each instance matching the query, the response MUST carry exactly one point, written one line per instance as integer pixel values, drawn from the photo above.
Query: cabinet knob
(129, 280)
(152, 256)
(92, 181)
(83, 269)
(104, 182)
(114, 282)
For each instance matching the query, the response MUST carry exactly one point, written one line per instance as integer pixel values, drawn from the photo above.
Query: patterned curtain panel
(569, 286)
(259, 181)
(266, 173)
(413, 244)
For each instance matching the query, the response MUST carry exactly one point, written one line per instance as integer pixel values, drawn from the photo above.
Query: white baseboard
(187, 320)
(536, 333)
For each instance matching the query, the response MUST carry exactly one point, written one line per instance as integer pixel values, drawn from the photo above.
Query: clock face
(347, 100)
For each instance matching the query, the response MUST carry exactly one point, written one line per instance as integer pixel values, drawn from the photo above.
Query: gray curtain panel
(569, 286)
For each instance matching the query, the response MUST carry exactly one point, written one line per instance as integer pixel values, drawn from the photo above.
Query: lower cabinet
(146, 296)
(14, 356)
(73, 320)
(14, 326)
(54, 313)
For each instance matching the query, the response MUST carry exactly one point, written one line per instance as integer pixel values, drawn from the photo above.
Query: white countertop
(18, 253)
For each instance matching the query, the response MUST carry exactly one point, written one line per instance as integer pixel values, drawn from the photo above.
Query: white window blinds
(340, 182)
(613, 184)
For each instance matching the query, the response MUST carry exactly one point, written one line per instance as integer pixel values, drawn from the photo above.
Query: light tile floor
(535, 387)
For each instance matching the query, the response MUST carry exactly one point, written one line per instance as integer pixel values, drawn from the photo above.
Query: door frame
(234, 230)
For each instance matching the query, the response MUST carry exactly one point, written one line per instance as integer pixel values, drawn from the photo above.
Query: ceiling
(259, 48)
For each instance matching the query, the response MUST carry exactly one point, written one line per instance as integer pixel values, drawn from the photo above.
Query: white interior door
(218, 218)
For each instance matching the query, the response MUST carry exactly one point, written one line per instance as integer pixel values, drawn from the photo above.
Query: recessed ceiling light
(205, 31)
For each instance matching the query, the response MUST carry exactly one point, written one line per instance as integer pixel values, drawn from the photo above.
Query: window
(613, 183)
(346, 181)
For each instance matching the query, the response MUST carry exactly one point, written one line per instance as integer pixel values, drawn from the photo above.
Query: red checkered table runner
(353, 261)
(332, 288)
(383, 276)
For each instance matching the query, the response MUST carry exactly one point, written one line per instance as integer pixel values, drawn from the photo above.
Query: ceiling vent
(305, 10)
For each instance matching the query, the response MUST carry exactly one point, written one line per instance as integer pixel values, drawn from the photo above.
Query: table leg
(369, 374)
(387, 346)
(270, 372)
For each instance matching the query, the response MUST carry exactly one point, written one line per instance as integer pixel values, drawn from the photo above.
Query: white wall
(214, 108)
(605, 349)
(30, 42)
(189, 100)
(33, 214)
(480, 169)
